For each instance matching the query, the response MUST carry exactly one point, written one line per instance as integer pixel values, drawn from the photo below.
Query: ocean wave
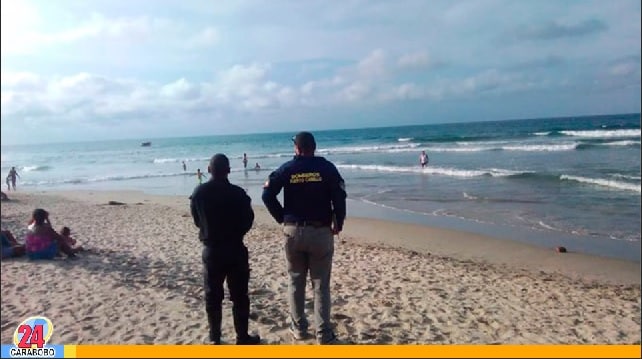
(429, 170)
(603, 182)
(35, 168)
(179, 160)
(499, 172)
(634, 178)
(467, 196)
(622, 143)
(523, 148)
(494, 172)
(404, 139)
(542, 133)
(109, 178)
(54, 182)
(106, 178)
(271, 155)
(603, 133)
(452, 172)
(436, 213)
(542, 147)
(141, 176)
(461, 149)
(497, 200)
(408, 146)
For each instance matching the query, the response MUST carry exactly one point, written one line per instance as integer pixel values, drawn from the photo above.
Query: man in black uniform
(314, 210)
(223, 213)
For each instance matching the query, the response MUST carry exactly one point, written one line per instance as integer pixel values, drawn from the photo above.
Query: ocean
(571, 181)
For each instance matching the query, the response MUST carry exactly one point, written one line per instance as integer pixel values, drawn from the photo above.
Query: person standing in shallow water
(245, 160)
(199, 176)
(12, 177)
(223, 213)
(423, 159)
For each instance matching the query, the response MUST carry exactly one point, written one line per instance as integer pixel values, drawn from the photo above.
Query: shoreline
(540, 238)
(392, 283)
(446, 242)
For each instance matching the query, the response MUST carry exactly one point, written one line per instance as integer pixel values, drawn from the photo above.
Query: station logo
(30, 340)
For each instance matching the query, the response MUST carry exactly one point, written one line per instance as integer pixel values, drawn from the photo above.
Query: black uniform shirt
(222, 212)
(313, 191)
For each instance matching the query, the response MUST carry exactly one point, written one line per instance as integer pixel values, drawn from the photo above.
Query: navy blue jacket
(222, 212)
(313, 190)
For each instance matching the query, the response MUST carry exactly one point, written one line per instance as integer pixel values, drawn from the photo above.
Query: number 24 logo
(33, 332)
(31, 336)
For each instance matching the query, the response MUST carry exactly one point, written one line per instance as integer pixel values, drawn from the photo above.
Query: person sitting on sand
(42, 241)
(65, 233)
(10, 246)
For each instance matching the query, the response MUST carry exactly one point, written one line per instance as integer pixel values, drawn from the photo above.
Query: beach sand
(392, 283)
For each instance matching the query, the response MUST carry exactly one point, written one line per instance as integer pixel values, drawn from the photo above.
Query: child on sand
(65, 233)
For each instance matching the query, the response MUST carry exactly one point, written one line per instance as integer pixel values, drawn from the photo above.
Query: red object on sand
(560, 249)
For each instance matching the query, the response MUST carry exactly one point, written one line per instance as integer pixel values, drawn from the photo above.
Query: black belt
(316, 224)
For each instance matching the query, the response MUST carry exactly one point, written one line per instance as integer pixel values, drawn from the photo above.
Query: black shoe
(298, 334)
(215, 339)
(249, 340)
(329, 339)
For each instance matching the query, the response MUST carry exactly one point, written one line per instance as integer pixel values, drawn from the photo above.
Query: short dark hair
(219, 164)
(305, 141)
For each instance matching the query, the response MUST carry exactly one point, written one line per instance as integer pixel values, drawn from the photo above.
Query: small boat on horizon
(146, 144)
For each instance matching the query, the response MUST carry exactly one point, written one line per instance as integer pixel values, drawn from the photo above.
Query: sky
(102, 69)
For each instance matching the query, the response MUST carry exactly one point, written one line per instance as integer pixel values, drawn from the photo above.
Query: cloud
(555, 30)
(547, 62)
(185, 62)
(181, 89)
(209, 36)
(624, 69)
(486, 81)
(310, 87)
(126, 30)
(354, 92)
(373, 65)
(409, 91)
(242, 82)
(17, 17)
(21, 81)
(414, 60)
(136, 28)
(626, 66)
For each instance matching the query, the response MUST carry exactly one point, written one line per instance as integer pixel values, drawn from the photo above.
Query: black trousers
(219, 264)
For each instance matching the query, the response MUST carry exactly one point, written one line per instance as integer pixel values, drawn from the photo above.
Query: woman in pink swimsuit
(42, 241)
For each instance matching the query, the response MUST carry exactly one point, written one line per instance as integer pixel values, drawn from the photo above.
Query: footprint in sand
(339, 316)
